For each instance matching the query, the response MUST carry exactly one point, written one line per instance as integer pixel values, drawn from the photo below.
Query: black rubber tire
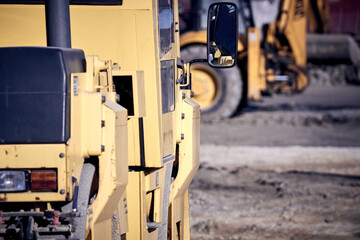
(229, 85)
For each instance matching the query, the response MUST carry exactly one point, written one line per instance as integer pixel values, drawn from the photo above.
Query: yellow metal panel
(135, 50)
(186, 221)
(134, 142)
(22, 25)
(88, 134)
(189, 155)
(137, 4)
(102, 230)
(295, 32)
(133, 44)
(113, 169)
(262, 73)
(123, 211)
(35, 156)
(319, 25)
(139, 101)
(153, 188)
(146, 190)
(148, 60)
(254, 52)
(178, 104)
(91, 124)
(168, 138)
(76, 149)
(84, 19)
(135, 208)
(188, 163)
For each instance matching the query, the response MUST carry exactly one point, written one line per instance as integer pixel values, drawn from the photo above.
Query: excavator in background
(333, 46)
(90, 148)
(272, 49)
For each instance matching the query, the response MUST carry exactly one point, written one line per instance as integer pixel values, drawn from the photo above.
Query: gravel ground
(284, 168)
(238, 201)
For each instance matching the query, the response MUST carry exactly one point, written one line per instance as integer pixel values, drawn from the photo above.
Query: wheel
(217, 90)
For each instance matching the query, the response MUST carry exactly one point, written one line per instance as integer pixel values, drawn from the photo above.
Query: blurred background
(280, 136)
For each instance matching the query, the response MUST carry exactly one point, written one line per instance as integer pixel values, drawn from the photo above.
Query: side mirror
(222, 36)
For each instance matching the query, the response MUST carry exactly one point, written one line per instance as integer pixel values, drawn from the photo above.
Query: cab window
(166, 25)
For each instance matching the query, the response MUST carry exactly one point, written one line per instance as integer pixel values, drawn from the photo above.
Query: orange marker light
(43, 180)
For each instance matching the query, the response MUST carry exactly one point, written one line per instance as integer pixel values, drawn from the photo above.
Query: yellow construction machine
(272, 57)
(99, 149)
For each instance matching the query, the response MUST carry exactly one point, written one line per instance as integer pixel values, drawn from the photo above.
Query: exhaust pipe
(58, 23)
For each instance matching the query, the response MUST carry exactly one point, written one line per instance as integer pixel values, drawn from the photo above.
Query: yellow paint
(254, 54)
(22, 157)
(146, 191)
(188, 163)
(128, 35)
(322, 6)
(293, 25)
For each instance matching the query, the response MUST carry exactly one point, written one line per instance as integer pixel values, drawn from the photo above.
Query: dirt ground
(284, 168)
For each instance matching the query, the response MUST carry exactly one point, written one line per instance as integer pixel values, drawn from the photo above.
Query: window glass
(166, 25)
(167, 85)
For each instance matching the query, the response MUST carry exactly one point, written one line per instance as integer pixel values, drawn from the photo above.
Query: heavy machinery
(334, 48)
(272, 57)
(94, 149)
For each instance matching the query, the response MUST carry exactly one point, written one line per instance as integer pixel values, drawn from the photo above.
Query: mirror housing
(222, 35)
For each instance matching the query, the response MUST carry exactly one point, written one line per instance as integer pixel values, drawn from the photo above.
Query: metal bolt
(103, 99)
(191, 94)
(102, 123)
(116, 66)
(117, 98)
(102, 148)
(61, 155)
(183, 116)
(183, 95)
(124, 199)
(182, 136)
(62, 191)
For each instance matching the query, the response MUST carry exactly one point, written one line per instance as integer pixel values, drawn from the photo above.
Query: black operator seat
(35, 93)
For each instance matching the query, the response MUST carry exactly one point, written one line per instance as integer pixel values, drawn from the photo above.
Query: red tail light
(43, 180)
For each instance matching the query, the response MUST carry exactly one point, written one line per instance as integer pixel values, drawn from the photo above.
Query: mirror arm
(181, 79)
(180, 64)
(198, 61)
